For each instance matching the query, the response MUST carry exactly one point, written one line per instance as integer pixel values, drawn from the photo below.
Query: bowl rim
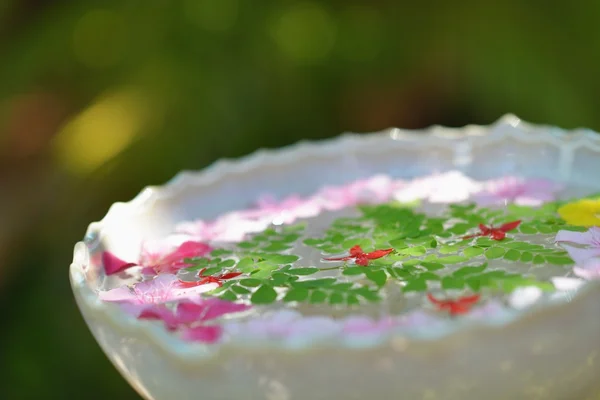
(88, 300)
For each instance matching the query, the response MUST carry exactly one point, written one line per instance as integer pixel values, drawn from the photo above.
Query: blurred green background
(100, 98)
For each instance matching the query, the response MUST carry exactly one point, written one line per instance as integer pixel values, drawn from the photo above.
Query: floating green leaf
(413, 251)
(415, 285)
(351, 271)
(470, 270)
(317, 297)
(452, 259)
(378, 277)
(336, 298)
(249, 282)
(296, 294)
(450, 282)
(303, 271)
(512, 255)
(265, 294)
(473, 251)
(494, 252)
(432, 266)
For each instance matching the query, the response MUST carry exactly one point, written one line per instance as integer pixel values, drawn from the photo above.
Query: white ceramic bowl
(550, 352)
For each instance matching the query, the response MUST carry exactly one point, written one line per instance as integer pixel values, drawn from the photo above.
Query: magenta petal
(161, 313)
(204, 334)
(113, 264)
(583, 238)
(187, 250)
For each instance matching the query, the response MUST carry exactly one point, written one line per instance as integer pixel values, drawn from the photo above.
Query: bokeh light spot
(101, 131)
(305, 32)
(99, 39)
(212, 15)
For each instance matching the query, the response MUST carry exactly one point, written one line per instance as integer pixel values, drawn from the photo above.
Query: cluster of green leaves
(268, 273)
(427, 251)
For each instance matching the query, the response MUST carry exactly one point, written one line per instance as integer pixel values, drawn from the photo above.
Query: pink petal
(122, 293)
(113, 264)
(204, 334)
(590, 269)
(581, 255)
(188, 250)
(583, 238)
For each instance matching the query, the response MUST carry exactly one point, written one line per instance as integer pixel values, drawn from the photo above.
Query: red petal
(378, 254)
(484, 229)
(469, 300)
(509, 226)
(201, 273)
(498, 234)
(230, 275)
(362, 260)
(191, 284)
(356, 251)
(338, 259)
(434, 300)
(113, 264)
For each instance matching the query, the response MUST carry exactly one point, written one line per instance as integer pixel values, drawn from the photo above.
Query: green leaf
(367, 294)
(351, 271)
(485, 242)
(264, 270)
(474, 282)
(197, 263)
(314, 242)
(226, 264)
(378, 277)
(413, 251)
(228, 295)
(517, 245)
(318, 297)
(473, 251)
(450, 282)
(366, 244)
(429, 276)
(314, 283)
(239, 289)
(336, 298)
(399, 273)
(289, 238)
(265, 294)
(249, 282)
(452, 259)
(470, 270)
(280, 258)
(539, 259)
(494, 252)
(526, 257)
(246, 265)
(303, 271)
(296, 294)
(398, 243)
(447, 249)
(415, 285)
(279, 278)
(432, 266)
(277, 246)
(527, 229)
(460, 229)
(512, 255)
(352, 299)
(247, 245)
(560, 260)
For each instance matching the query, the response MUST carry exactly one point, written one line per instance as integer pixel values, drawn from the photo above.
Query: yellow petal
(581, 213)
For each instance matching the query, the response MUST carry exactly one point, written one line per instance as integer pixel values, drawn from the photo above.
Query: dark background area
(101, 98)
